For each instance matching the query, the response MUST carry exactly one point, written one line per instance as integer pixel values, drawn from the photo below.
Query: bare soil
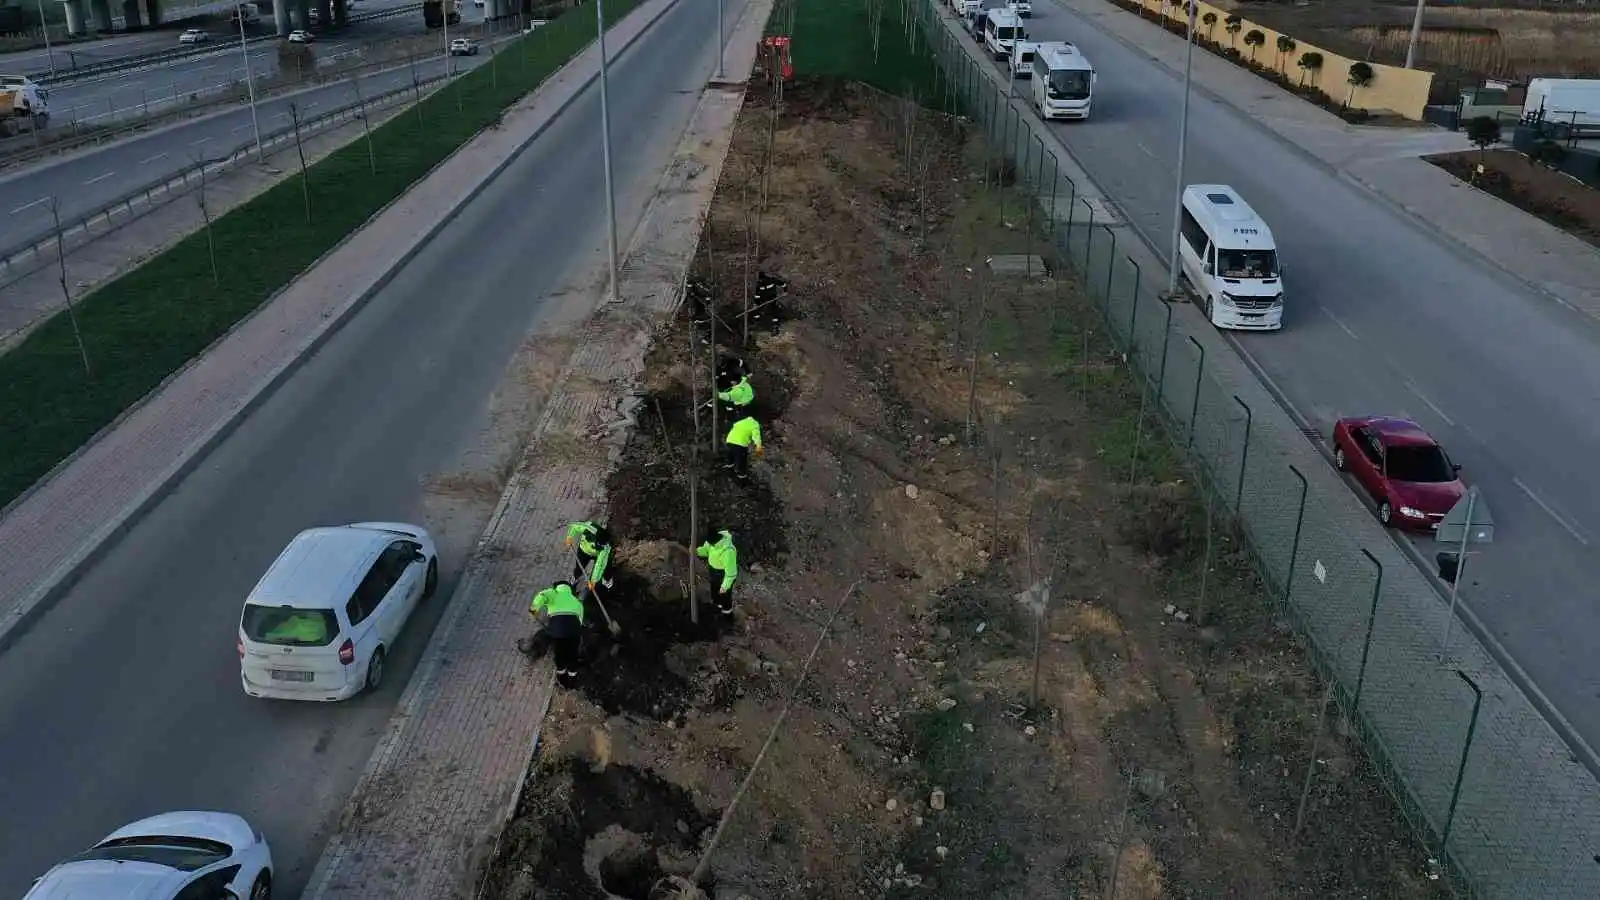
(914, 761)
(1553, 196)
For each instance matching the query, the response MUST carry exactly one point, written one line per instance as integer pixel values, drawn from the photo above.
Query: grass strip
(147, 324)
(873, 43)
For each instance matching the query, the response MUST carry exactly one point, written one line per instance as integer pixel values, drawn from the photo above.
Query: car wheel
(262, 889)
(1338, 458)
(1385, 512)
(432, 582)
(375, 670)
(1208, 311)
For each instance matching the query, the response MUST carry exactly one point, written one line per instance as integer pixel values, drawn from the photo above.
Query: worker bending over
(736, 397)
(594, 548)
(743, 435)
(723, 558)
(564, 625)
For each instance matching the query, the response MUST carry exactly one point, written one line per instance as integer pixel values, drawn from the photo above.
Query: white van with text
(1063, 81)
(1001, 29)
(1229, 259)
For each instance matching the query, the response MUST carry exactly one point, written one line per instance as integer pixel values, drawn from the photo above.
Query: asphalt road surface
(119, 96)
(1384, 317)
(104, 49)
(124, 699)
(85, 182)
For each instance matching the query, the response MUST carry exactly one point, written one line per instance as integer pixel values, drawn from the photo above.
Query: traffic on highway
(351, 437)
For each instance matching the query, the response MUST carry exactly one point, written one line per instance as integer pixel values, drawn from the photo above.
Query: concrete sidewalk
(426, 818)
(1385, 161)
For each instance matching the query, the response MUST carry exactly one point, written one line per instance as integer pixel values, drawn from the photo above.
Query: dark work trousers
(739, 460)
(724, 598)
(566, 637)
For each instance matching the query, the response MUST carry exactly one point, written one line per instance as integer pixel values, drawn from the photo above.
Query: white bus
(1001, 29)
(1063, 81)
(1229, 259)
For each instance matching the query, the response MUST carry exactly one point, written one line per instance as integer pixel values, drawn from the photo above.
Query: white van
(1063, 81)
(1001, 29)
(1022, 53)
(319, 623)
(1023, 8)
(1230, 260)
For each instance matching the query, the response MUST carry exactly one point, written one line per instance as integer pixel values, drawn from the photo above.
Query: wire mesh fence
(1485, 782)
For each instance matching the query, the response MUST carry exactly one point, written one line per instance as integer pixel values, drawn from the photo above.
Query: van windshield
(1068, 84)
(1007, 33)
(1247, 263)
(286, 626)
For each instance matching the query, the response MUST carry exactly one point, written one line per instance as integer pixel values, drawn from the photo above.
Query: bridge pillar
(280, 17)
(302, 14)
(100, 14)
(132, 18)
(73, 10)
(341, 12)
(153, 12)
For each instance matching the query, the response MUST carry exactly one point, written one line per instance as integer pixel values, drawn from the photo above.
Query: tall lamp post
(45, 27)
(249, 81)
(1183, 145)
(605, 151)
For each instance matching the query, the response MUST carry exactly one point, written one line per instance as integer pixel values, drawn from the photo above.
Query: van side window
(1194, 234)
(380, 579)
(1040, 70)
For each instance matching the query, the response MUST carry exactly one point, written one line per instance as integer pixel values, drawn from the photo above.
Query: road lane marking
(1560, 520)
(1431, 405)
(146, 162)
(27, 206)
(1339, 322)
(98, 178)
(240, 128)
(199, 142)
(1147, 150)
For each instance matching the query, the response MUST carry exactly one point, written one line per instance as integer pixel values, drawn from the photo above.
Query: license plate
(283, 675)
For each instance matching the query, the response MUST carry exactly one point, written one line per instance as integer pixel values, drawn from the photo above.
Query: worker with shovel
(563, 623)
(594, 549)
(722, 557)
(743, 436)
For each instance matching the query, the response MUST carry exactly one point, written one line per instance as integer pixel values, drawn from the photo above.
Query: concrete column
(302, 10)
(132, 20)
(153, 8)
(341, 12)
(280, 17)
(100, 13)
(325, 12)
(73, 9)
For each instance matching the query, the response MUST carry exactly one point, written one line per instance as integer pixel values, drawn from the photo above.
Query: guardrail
(161, 57)
(23, 258)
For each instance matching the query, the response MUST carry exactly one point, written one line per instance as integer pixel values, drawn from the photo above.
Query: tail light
(239, 643)
(347, 652)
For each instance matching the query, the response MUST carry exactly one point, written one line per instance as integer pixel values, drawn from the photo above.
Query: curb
(26, 613)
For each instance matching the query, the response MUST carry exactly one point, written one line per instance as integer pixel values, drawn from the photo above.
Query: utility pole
(1183, 146)
(605, 152)
(249, 82)
(1416, 34)
(45, 27)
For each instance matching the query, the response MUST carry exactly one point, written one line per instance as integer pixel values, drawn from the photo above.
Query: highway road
(124, 698)
(100, 50)
(1385, 317)
(119, 96)
(83, 183)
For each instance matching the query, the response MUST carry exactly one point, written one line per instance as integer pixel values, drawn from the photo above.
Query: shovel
(616, 630)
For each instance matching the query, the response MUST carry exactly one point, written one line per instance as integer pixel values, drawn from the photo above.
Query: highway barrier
(1492, 781)
(163, 57)
(137, 330)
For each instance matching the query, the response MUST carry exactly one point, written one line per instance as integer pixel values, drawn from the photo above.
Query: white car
(1023, 8)
(300, 37)
(463, 47)
(193, 36)
(174, 856)
(320, 623)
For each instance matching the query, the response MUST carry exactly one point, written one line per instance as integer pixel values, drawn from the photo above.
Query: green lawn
(833, 38)
(144, 326)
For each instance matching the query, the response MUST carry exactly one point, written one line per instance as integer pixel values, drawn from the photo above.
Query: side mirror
(1456, 468)
(1210, 269)
(418, 557)
(229, 893)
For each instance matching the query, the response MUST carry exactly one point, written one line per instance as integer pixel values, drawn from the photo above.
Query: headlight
(1277, 299)
(1411, 513)
(1227, 299)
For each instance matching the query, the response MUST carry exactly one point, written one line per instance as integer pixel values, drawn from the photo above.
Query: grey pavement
(121, 697)
(1528, 820)
(84, 181)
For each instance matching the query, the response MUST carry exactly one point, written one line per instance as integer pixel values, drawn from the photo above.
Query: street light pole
(721, 39)
(250, 84)
(45, 27)
(1416, 34)
(1183, 146)
(605, 151)
(449, 6)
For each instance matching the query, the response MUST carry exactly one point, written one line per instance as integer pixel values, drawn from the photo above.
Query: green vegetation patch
(144, 326)
(873, 43)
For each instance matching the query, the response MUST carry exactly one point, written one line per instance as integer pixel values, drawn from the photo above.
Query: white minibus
(1229, 259)
(1001, 29)
(1063, 81)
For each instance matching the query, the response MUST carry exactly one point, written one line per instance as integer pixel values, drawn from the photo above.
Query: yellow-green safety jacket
(723, 557)
(745, 432)
(582, 533)
(741, 394)
(557, 601)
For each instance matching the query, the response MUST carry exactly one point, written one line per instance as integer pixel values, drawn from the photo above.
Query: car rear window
(1426, 465)
(289, 627)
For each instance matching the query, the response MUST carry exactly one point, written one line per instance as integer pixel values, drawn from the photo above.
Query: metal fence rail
(1486, 782)
(25, 257)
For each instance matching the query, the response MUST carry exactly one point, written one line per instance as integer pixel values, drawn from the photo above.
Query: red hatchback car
(1404, 470)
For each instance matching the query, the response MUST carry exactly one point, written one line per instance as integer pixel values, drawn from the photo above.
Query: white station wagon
(319, 624)
(187, 855)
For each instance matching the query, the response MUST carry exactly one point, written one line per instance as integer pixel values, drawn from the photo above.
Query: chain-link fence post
(1299, 526)
(1366, 642)
(1194, 408)
(1244, 457)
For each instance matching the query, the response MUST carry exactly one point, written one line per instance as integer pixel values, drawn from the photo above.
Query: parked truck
(433, 14)
(1573, 102)
(24, 105)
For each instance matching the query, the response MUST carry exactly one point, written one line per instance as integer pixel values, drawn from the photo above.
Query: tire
(1209, 319)
(375, 670)
(431, 584)
(262, 889)
(1338, 458)
(1386, 513)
